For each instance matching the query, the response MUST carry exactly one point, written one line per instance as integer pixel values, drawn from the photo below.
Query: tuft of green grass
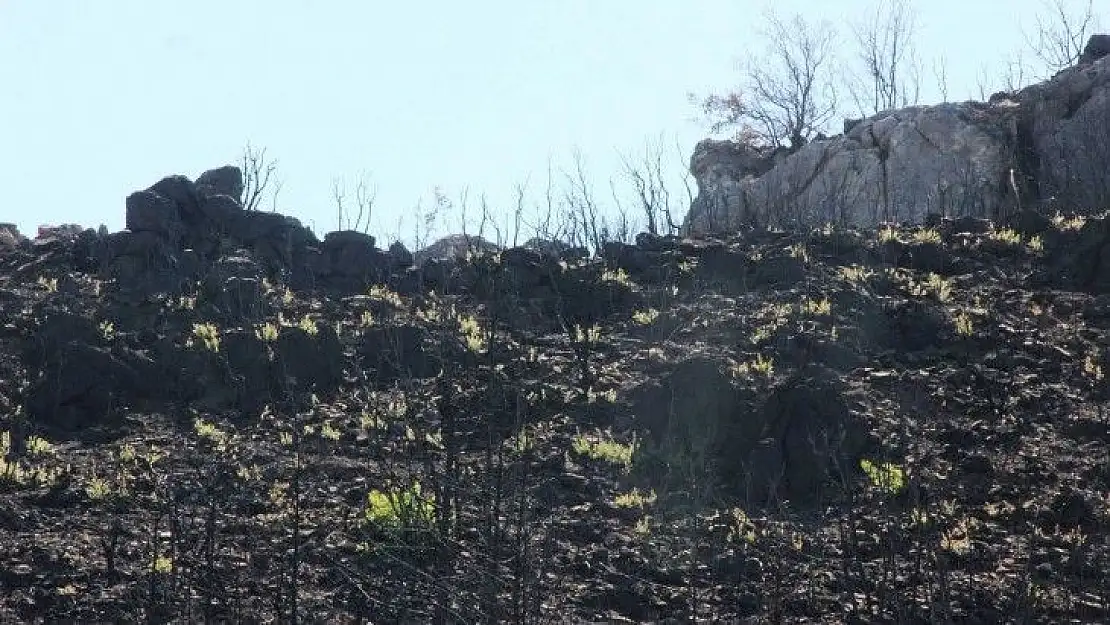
(208, 334)
(1007, 235)
(645, 317)
(887, 234)
(405, 508)
(927, 235)
(619, 276)
(816, 307)
(964, 325)
(887, 477)
(210, 434)
(605, 448)
(98, 489)
(635, 499)
(383, 293)
(764, 366)
(856, 273)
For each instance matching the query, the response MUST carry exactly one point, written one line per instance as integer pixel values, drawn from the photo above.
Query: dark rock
(181, 191)
(313, 361)
(1097, 47)
(226, 180)
(808, 416)
(1030, 223)
(394, 353)
(1072, 509)
(402, 257)
(149, 212)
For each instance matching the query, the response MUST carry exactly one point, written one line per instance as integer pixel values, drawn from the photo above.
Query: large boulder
(1043, 146)
(147, 211)
(455, 247)
(897, 166)
(226, 180)
(1065, 135)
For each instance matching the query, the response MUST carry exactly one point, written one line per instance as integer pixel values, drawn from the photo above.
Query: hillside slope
(831, 426)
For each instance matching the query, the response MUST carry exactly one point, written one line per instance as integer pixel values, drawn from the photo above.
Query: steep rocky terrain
(216, 416)
(1044, 145)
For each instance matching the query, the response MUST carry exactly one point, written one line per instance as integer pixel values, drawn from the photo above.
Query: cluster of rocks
(180, 233)
(1043, 147)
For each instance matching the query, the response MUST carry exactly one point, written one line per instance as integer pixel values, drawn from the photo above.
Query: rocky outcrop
(1043, 146)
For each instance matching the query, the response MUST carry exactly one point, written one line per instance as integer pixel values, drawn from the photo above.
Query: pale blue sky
(103, 98)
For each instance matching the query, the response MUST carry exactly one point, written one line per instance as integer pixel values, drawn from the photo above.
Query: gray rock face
(9, 235)
(455, 246)
(1047, 142)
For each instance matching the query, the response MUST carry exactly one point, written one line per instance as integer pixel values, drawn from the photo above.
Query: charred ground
(899, 425)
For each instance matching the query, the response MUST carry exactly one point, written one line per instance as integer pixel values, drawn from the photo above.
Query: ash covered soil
(902, 425)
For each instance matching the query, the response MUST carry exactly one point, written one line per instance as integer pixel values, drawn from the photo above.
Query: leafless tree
(1060, 35)
(257, 173)
(364, 199)
(1011, 79)
(582, 206)
(940, 72)
(647, 175)
(891, 69)
(789, 94)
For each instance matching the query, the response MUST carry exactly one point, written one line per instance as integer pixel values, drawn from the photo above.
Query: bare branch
(789, 96)
(891, 68)
(1060, 35)
(256, 176)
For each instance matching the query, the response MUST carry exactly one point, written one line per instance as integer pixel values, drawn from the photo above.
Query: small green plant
(741, 528)
(327, 431)
(1069, 223)
(209, 433)
(267, 332)
(162, 565)
(964, 324)
(645, 317)
(107, 330)
(37, 447)
(764, 366)
(472, 333)
(619, 276)
(1007, 235)
(821, 307)
(587, 336)
(366, 320)
(208, 334)
(98, 489)
(126, 453)
(20, 474)
(940, 286)
(887, 477)
(927, 235)
(605, 448)
(1036, 244)
(635, 499)
(1092, 368)
(400, 509)
(308, 325)
(799, 251)
(382, 293)
(49, 284)
(856, 273)
(887, 234)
